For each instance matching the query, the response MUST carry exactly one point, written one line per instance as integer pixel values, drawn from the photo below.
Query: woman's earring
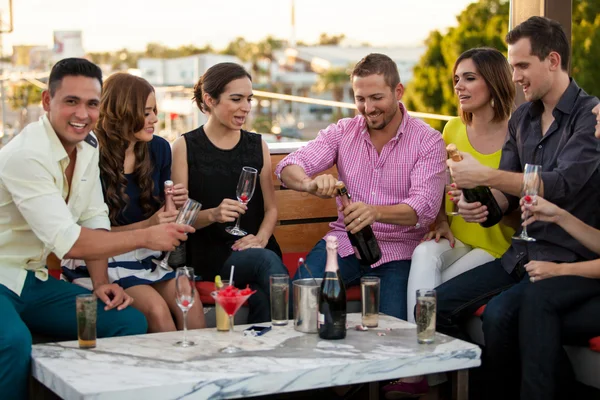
(492, 103)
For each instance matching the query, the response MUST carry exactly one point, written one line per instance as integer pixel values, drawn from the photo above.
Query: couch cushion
(595, 344)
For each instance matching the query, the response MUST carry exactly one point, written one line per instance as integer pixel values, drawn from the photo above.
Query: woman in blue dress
(134, 164)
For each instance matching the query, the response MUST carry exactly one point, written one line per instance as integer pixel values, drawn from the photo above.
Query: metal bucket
(306, 304)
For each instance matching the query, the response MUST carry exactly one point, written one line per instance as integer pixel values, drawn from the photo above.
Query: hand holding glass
(185, 289)
(532, 177)
(187, 216)
(245, 190)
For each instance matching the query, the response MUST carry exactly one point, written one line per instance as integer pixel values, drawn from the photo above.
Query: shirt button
(540, 146)
(373, 193)
(417, 225)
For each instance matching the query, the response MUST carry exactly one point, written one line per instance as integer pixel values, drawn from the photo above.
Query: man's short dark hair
(378, 64)
(72, 67)
(545, 35)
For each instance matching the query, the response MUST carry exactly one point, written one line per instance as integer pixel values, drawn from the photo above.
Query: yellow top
(35, 220)
(496, 239)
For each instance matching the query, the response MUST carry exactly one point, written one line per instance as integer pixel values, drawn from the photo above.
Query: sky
(113, 24)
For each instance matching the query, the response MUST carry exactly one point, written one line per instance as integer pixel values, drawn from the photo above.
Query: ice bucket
(306, 304)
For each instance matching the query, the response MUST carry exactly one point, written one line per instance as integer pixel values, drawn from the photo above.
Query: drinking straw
(231, 275)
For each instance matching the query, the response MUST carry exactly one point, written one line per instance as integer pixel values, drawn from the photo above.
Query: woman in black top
(209, 160)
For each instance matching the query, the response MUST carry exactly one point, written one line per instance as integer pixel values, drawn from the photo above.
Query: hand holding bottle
(467, 173)
(162, 217)
(180, 195)
(322, 186)
(472, 212)
(358, 215)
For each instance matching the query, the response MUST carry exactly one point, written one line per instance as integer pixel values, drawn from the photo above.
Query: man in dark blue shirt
(554, 129)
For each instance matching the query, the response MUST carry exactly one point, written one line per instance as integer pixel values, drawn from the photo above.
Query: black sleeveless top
(213, 175)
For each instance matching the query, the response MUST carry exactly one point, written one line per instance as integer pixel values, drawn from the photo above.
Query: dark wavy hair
(122, 114)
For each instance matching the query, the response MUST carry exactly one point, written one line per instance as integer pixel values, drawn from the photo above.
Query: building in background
(67, 44)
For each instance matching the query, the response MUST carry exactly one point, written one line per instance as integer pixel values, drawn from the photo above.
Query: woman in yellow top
(483, 83)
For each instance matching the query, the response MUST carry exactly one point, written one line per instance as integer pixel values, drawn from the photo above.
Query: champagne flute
(245, 190)
(532, 177)
(187, 215)
(185, 289)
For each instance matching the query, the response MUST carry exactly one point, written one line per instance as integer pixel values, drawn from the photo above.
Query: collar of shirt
(565, 104)
(401, 128)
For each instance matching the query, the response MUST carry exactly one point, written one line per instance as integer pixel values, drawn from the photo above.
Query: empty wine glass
(185, 288)
(244, 192)
(187, 215)
(532, 177)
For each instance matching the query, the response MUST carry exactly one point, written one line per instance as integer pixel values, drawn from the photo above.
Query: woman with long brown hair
(134, 164)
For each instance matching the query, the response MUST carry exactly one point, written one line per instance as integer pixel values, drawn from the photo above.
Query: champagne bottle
(364, 241)
(177, 258)
(481, 194)
(169, 203)
(332, 299)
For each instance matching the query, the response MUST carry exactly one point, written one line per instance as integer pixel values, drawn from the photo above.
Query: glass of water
(280, 298)
(425, 316)
(369, 294)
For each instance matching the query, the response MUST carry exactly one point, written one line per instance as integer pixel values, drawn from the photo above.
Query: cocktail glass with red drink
(231, 299)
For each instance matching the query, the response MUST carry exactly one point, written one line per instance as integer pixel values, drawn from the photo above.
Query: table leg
(373, 390)
(460, 385)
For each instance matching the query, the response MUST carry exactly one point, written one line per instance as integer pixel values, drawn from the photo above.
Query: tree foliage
(334, 80)
(23, 95)
(485, 23)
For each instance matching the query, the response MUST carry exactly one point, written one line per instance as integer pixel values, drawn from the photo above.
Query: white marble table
(283, 360)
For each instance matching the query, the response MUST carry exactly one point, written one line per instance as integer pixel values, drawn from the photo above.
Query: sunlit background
(298, 52)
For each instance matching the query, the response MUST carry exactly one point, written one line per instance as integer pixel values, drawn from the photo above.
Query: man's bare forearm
(95, 244)
(98, 270)
(294, 177)
(400, 214)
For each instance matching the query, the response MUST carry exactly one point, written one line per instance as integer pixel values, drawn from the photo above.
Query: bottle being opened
(177, 258)
(331, 319)
(364, 241)
(481, 194)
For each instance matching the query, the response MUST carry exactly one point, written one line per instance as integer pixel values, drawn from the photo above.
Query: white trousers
(435, 263)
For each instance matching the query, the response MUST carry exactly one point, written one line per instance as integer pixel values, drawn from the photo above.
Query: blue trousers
(254, 267)
(48, 308)
(393, 276)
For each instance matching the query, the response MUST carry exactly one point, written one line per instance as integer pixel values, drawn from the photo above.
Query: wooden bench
(303, 220)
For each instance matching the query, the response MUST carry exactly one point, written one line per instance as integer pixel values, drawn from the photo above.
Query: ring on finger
(532, 279)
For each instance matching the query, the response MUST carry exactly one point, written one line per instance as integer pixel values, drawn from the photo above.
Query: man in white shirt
(51, 201)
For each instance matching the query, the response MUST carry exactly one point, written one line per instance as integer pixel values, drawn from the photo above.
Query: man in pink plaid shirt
(393, 166)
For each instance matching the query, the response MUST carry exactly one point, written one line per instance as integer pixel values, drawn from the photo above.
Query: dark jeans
(393, 275)
(460, 297)
(48, 308)
(555, 311)
(254, 267)
(524, 326)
